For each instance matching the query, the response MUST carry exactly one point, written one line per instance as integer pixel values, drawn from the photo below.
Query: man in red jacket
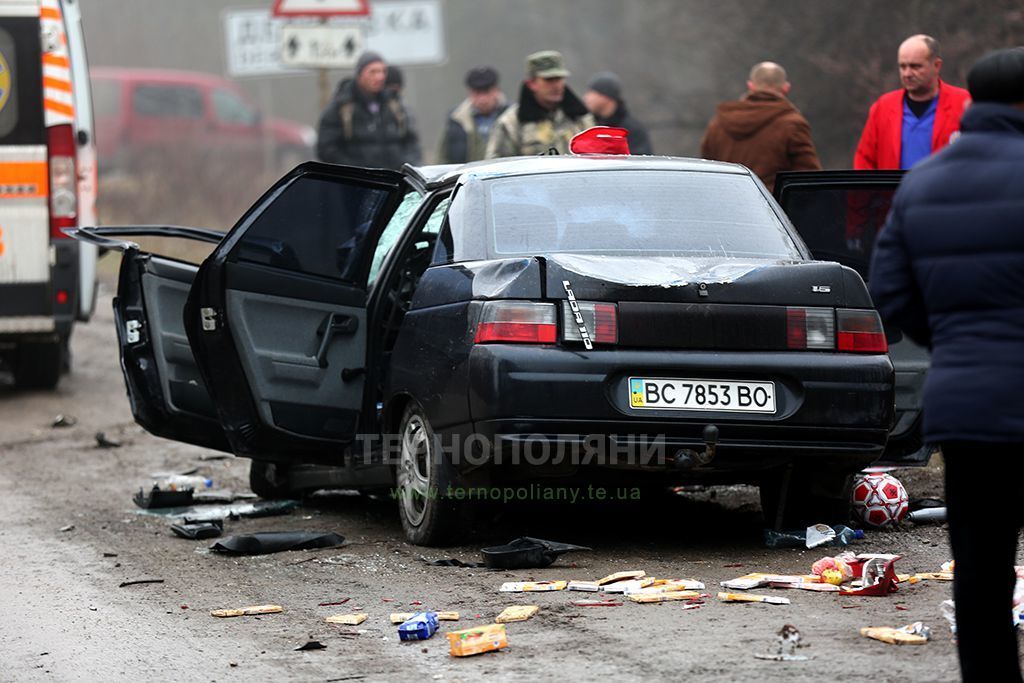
(907, 125)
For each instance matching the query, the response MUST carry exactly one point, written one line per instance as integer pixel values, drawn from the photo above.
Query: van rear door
(26, 304)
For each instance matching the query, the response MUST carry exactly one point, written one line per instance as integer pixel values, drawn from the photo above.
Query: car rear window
(684, 213)
(168, 101)
(21, 82)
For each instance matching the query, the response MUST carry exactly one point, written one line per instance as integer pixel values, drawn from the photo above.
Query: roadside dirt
(65, 618)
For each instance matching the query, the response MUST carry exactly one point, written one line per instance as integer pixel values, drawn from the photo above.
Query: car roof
(158, 76)
(445, 174)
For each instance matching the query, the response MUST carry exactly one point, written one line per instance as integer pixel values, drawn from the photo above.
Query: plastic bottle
(798, 539)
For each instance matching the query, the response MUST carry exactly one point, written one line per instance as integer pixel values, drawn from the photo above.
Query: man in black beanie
(366, 124)
(604, 100)
(948, 270)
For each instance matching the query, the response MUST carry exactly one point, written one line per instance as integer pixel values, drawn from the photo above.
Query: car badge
(578, 315)
(821, 289)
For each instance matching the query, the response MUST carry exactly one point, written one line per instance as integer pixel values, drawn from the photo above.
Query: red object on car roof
(600, 140)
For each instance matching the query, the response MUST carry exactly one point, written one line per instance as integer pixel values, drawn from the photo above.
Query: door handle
(333, 324)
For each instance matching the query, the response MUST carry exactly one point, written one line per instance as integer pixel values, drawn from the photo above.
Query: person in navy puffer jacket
(948, 270)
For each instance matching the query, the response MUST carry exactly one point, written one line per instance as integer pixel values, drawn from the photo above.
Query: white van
(47, 184)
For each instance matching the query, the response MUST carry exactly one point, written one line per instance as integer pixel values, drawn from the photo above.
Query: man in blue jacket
(948, 270)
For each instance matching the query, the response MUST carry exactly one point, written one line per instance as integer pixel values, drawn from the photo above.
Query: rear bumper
(38, 309)
(828, 405)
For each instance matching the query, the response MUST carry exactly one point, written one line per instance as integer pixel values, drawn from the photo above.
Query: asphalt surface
(71, 535)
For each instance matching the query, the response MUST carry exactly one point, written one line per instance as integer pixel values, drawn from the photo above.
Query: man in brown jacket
(762, 130)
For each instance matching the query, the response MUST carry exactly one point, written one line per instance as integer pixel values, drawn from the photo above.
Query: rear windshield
(21, 82)
(663, 213)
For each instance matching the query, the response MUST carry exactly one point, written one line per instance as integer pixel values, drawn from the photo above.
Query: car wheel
(808, 496)
(422, 477)
(37, 365)
(269, 480)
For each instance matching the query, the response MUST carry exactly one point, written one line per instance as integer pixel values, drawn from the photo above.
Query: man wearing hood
(604, 100)
(547, 116)
(762, 130)
(365, 124)
(947, 271)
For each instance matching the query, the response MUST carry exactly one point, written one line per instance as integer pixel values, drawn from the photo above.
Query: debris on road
(62, 421)
(476, 640)
(586, 586)
(139, 581)
(67, 528)
(157, 498)
(759, 580)
(311, 645)
(532, 586)
(928, 516)
(911, 634)
(844, 536)
(399, 617)
(102, 441)
(748, 597)
(208, 513)
(597, 603)
(516, 613)
(277, 541)
(347, 619)
(665, 597)
(789, 640)
(420, 626)
(197, 531)
(622, 576)
(451, 562)
(247, 611)
(526, 553)
(333, 604)
(878, 576)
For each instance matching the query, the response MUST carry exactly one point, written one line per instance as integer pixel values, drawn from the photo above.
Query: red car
(145, 115)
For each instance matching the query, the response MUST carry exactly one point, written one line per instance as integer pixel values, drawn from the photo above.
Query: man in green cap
(548, 114)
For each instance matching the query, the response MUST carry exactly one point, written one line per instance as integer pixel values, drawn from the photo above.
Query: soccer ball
(880, 499)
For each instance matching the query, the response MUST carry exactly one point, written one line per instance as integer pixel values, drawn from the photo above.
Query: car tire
(37, 365)
(269, 480)
(422, 476)
(809, 496)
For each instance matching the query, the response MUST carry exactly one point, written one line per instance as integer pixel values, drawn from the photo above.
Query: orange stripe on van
(59, 107)
(56, 84)
(49, 13)
(24, 179)
(55, 60)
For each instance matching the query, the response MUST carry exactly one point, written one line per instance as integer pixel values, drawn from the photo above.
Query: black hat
(608, 84)
(481, 78)
(998, 77)
(366, 59)
(395, 76)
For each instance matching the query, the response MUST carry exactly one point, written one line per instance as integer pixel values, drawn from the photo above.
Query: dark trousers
(984, 483)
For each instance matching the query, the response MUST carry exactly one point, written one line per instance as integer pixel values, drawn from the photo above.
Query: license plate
(701, 394)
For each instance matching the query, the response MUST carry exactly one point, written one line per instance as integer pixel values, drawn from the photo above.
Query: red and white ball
(880, 499)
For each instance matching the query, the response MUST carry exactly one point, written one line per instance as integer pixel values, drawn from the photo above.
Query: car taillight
(860, 331)
(60, 149)
(517, 322)
(600, 320)
(810, 328)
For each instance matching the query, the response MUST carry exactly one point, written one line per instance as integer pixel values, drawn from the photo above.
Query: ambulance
(47, 184)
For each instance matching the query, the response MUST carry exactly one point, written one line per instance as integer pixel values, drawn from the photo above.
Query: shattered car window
(394, 228)
(681, 213)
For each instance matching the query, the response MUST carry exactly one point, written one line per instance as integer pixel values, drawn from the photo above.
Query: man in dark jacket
(366, 124)
(469, 124)
(762, 130)
(604, 100)
(948, 270)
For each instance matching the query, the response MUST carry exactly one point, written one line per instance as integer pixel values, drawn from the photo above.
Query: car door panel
(167, 394)
(839, 214)
(277, 317)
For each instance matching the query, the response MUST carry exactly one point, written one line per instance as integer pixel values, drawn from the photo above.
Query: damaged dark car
(458, 328)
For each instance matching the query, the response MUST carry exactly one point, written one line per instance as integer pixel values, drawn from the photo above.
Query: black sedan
(454, 334)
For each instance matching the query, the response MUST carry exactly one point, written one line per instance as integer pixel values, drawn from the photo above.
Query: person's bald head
(920, 64)
(768, 76)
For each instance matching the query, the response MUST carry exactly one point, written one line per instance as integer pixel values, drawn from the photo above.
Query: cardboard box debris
(477, 639)
(663, 597)
(399, 617)
(588, 586)
(630, 585)
(347, 619)
(747, 597)
(896, 636)
(622, 576)
(247, 611)
(758, 580)
(516, 613)
(533, 586)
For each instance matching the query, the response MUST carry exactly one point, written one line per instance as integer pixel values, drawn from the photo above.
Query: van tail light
(517, 322)
(860, 331)
(60, 149)
(600, 320)
(810, 328)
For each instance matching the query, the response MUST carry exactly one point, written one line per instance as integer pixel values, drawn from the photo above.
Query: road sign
(324, 46)
(321, 8)
(253, 41)
(407, 32)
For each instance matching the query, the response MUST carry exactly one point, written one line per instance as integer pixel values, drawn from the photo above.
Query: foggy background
(677, 58)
